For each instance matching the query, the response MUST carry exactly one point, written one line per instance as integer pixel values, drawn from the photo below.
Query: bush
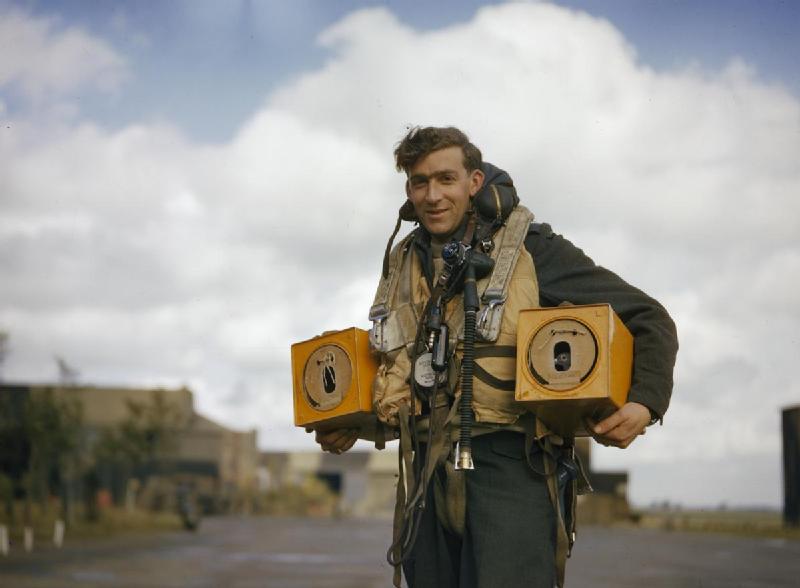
(311, 498)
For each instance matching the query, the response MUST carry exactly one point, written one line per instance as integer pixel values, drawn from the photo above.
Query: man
(501, 523)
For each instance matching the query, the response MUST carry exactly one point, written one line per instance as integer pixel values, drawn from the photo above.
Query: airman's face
(440, 188)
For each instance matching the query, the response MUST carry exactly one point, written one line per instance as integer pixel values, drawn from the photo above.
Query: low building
(218, 463)
(365, 481)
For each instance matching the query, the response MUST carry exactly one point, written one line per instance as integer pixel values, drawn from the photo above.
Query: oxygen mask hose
(471, 306)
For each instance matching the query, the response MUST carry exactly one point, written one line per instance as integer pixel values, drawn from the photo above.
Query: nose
(433, 193)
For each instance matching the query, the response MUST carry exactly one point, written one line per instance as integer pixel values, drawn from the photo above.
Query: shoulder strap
(505, 256)
(513, 236)
(386, 287)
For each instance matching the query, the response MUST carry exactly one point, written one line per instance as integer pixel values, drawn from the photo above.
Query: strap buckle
(378, 314)
(489, 318)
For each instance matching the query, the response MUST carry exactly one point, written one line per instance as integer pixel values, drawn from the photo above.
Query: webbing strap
(540, 434)
(393, 557)
(496, 351)
(379, 311)
(405, 482)
(450, 496)
(404, 470)
(411, 492)
(516, 229)
(494, 382)
(486, 377)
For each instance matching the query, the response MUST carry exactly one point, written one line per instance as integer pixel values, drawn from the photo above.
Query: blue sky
(206, 65)
(162, 163)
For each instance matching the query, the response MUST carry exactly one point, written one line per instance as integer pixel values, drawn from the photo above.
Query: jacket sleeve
(566, 273)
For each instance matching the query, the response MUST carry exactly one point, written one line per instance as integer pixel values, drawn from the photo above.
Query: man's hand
(336, 441)
(622, 427)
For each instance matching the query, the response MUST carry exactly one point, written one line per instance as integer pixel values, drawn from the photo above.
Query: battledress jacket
(566, 274)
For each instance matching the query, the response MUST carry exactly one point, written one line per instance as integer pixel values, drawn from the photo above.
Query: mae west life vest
(401, 298)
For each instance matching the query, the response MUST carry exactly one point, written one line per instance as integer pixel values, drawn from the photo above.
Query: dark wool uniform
(510, 527)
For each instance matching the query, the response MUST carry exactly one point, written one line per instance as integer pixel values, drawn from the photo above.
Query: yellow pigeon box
(332, 381)
(572, 362)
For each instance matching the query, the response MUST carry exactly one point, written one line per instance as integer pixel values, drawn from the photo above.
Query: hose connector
(464, 457)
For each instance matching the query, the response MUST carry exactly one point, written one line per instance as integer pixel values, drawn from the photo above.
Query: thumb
(609, 423)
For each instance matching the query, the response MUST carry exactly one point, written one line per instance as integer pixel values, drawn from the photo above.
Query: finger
(624, 430)
(347, 441)
(626, 443)
(623, 433)
(621, 436)
(350, 443)
(344, 440)
(329, 438)
(609, 423)
(628, 424)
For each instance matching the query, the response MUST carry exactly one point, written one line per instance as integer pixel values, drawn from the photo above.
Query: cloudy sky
(188, 187)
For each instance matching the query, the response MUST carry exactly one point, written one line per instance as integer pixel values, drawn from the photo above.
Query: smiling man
(501, 523)
(440, 188)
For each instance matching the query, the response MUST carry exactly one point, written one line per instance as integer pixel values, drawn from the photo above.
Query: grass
(110, 521)
(736, 522)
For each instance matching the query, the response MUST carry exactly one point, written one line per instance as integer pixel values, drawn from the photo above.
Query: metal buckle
(487, 321)
(377, 314)
(490, 306)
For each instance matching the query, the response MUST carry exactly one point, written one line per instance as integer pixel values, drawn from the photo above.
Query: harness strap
(547, 441)
(516, 230)
(404, 483)
(411, 492)
(450, 496)
(379, 311)
(387, 334)
(494, 382)
(393, 556)
(494, 288)
(486, 377)
(496, 351)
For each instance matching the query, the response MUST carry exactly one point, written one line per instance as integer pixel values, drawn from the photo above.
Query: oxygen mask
(457, 256)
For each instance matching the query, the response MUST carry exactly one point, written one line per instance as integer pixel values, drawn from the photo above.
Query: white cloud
(141, 256)
(42, 61)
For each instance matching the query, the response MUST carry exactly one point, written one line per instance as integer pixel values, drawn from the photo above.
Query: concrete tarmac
(233, 552)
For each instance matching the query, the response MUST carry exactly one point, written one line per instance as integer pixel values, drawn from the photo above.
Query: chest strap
(386, 328)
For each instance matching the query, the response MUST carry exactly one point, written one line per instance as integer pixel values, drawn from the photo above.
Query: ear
(475, 181)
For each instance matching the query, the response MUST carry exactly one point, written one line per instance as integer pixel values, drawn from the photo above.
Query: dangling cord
(389, 248)
(415, 499)
(406, 213)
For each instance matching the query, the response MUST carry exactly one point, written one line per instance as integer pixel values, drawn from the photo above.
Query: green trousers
(510, 528)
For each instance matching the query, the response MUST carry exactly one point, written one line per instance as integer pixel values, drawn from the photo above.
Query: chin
(439, 230)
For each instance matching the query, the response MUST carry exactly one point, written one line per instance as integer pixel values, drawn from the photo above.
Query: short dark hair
(420, 141)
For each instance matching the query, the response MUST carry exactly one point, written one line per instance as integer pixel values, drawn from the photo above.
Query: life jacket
(401, 298)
